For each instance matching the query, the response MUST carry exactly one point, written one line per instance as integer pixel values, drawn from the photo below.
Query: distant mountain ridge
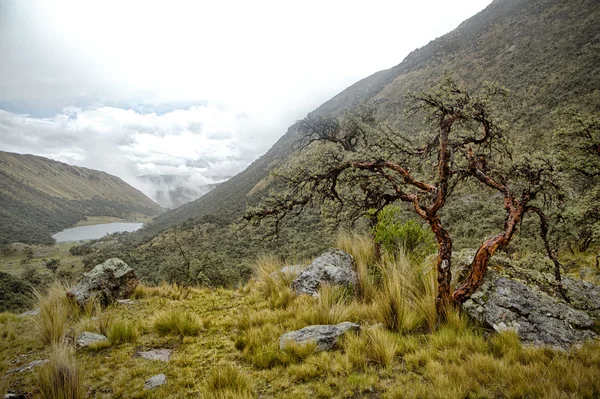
(546, 52)
(40, 196)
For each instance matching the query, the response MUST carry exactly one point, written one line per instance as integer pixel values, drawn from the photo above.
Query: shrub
(410, 236)
(177, 322)
(60, 377)
(122, 331)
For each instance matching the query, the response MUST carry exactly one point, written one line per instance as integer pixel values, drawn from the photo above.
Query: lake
(94, 231)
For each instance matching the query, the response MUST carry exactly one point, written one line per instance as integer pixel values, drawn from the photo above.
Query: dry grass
(173, 291)
(362, 249)
(60, 377)
(176, 322)
(227, 381)
(55, 310)
(374, 346)
(5, 382)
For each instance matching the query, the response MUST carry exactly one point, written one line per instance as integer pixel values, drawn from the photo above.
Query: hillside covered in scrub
(40, 197)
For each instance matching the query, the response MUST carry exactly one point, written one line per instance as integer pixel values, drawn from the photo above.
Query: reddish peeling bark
(443, 263)
(479, 265)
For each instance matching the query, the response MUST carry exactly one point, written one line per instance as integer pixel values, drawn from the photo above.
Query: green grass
(12, 264)
(177, 322)
(122, 331)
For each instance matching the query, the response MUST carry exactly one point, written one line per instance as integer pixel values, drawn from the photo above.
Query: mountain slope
(39, 197)
(546, 52)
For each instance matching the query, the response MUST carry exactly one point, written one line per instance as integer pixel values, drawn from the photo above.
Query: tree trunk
(487, 250)
(444, 275)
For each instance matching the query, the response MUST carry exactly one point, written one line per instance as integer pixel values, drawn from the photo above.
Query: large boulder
(324, 336)
(108, 281)
(507, 303)
(333, 267)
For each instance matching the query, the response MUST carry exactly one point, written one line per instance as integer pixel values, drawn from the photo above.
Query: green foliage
(410, 236)
(14, 293)
(52, 265)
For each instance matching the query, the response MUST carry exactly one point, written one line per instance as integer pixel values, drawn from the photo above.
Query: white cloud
(190, 87)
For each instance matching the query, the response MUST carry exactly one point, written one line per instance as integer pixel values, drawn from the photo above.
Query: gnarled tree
(352, 166)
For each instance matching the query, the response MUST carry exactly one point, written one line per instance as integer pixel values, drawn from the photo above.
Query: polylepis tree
(352, 166)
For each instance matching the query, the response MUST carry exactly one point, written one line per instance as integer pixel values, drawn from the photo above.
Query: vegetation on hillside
(41, 197)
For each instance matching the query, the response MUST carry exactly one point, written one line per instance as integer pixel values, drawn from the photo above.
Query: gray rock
(87, 338)
(126, 302)
(583, 295)
(155, 381)
(333, 267)
(32, 312)
(108, 281)
(28, 366)
(325, 336)
(588, 273)
(290, 270)
(539, 319)
(162, 355)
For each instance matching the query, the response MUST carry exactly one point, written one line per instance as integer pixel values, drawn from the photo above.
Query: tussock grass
(176, 322)
(6, 317)
(272, 283)
(173, 291)
(55, 310)
(374, 346)
(334, 305)
(227, 381)
(122, 331)
(5, 382)
(60, 377)
(362, 249)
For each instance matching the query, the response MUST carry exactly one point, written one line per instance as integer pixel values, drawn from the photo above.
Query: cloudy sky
(199, 88)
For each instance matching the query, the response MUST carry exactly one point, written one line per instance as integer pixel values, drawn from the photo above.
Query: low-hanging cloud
(203, 143)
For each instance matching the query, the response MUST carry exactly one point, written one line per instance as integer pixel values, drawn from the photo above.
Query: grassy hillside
(547, 53)
(40, 197)
(224, 344)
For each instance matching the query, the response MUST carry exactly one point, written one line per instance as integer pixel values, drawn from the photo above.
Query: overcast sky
(190, 88)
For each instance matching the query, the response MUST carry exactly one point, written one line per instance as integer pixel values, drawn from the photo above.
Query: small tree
(352, 166)
(52, 265)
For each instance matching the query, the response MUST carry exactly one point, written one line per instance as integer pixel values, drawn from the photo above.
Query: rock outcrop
(108, 281)
(333, 267)
(324, 336)
(506, 303)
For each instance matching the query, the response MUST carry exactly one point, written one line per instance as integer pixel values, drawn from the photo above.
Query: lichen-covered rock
(583, 295)
(28, 366)
(108, 281)
(87, 339)
(333, 267)
(324, 336)
(161, 355)
(290, 270)
(155, 381)
(503, 303)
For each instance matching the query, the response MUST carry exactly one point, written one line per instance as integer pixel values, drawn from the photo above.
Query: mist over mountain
(546, 52)
(172, 191)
